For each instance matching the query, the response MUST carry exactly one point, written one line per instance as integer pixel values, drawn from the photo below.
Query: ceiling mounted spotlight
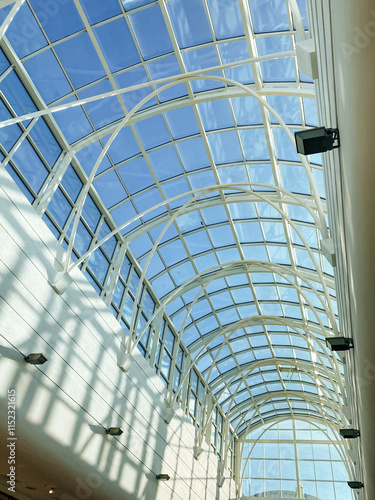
(317, 140)
(339, 343)
(349, 433)
(355, 485)
(162, 477)
(114, 431)
(51, 491)
(36, 358)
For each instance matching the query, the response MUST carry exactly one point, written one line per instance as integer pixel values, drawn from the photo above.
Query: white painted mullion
(9, 18)
(143, 151)
(253, 52)
(116, 264)
(297, 20)
(305, 92)
(6, 73)
(274, 162)
(17, 144)
(53, 182)
(200, 125)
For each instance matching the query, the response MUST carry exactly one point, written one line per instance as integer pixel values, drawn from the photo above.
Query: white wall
(345, 38)
(64, 405)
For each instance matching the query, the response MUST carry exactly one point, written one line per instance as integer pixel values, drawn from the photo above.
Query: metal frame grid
(301, 458)
(175, 165)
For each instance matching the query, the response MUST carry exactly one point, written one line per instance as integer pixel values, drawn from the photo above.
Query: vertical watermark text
(11, 440)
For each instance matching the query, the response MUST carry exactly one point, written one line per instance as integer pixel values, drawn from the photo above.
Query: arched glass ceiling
(178, 117)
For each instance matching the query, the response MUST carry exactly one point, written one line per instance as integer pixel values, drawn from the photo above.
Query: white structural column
(353, 35)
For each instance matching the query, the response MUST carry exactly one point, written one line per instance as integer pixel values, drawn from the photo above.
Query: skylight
(220, 217)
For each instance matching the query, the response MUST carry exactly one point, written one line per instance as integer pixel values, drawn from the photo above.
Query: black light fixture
(36, 358)
(349, 433)
(162, 477)
(114, 431)
(339, 343)
(355, 485)
(317, 140)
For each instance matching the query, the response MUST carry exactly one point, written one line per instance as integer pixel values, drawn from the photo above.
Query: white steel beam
(10, 16)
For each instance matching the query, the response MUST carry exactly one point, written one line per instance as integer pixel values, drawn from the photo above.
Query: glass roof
(179, 118)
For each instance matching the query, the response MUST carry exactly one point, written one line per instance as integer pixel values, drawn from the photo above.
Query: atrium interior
(178, 264)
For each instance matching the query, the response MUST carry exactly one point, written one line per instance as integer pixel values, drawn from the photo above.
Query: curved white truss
(314, 288)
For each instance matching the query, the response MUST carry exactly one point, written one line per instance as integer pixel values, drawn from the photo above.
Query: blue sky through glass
(243, 255)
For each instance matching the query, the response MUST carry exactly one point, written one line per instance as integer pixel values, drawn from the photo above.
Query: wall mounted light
(355, 485)
(162, 477)
(36, 358)
(114, 431)
(349, 433)
(339, 343)
(317, 140)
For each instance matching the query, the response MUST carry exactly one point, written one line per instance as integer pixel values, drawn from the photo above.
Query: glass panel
(232, 250)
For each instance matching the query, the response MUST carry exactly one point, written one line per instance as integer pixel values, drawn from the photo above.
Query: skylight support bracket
(348, 413)
(62, 282)
(126, 362)
(328, 250)
(307, 58)
(197, 450)
(220, 476)
(167, 414)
